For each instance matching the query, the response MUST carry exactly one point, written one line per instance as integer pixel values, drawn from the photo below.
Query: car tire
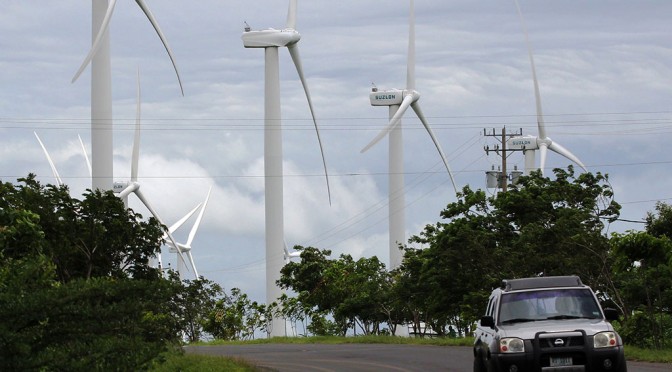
(478, 365)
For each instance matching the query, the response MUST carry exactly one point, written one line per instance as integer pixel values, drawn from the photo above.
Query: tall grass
(177, 361)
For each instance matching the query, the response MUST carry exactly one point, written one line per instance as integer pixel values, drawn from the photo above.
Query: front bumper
(539, 352)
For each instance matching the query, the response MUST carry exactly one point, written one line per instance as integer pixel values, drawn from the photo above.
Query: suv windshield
(548, 304)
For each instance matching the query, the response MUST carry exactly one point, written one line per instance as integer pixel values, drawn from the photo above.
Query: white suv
(547, 324)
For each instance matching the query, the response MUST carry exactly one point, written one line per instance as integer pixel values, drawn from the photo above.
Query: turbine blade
(416, 107)
(537, 96)
(194, 228)
(155, 24)
(405, 104)
(59, 181)
(158, 218)
(559, 149)
(543, 150)
(410, 73)
(135, 155)
(86, 156)
(193, 265)
(291, 15)
(184, 219)
(104, 27)
(296, 58)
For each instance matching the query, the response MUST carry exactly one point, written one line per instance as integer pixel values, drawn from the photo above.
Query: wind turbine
(124, 189)
(186, 247)
(101, 88)
(398, 101)
(271, 40)
(543, 143)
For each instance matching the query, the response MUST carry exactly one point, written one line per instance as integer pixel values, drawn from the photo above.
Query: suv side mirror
(488, 321)
(611, 314)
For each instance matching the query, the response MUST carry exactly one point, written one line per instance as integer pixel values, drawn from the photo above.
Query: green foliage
(236, 317)
(178, 361)
(195, 303)
(481, 240)
(76, 290)
(642, 276)
(353, 292)
(87, 324)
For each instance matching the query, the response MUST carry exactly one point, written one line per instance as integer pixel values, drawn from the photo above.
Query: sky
(604, 71)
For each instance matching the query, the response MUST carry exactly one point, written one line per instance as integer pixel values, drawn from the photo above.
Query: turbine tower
(271, 40)
(543, 143)
(398, 101)
(101, 88)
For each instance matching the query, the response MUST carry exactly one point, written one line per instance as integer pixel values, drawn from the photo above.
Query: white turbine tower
(101, 88)
(543, 143)
(399, 100)
(271, 40)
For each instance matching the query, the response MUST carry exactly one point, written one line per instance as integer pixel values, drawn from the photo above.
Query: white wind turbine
(271, 40)
(543, 143)
(186, 247)
(124, 189)
(399, 100)
(101, 88)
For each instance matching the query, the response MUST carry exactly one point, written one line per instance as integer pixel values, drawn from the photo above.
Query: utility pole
(504, 152)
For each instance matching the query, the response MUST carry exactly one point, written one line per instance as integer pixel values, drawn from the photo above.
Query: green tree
(642, 265)
(236, 317)
(541, 225)
(76, 292)
(194, 304)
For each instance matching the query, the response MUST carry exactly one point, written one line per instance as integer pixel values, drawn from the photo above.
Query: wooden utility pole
(503, 152)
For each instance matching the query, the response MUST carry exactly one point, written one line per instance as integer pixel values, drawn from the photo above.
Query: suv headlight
(511, 345)
(605, 339)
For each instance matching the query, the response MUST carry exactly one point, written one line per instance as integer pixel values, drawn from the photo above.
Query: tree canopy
(76, 289)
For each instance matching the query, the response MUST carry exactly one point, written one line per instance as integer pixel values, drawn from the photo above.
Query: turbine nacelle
(522, 143)
(123, 189)
(270, 38)
(388, 97)
(183, 248)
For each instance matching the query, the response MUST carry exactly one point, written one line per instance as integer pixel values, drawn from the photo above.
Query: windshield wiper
(558, 317)
(518, 320)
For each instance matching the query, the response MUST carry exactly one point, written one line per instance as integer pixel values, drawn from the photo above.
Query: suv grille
(550, 341)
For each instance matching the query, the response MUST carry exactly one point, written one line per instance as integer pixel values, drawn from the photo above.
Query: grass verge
(178, 361)
(648, 355)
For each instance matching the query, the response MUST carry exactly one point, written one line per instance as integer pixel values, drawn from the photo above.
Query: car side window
(487, 310)
(491, 306)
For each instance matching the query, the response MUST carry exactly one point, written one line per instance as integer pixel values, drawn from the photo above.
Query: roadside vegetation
(75, 277)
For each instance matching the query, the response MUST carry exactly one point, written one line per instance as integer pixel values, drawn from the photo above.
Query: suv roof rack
(541, 282)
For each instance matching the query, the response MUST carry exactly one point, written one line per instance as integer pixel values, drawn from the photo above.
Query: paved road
(362, 357)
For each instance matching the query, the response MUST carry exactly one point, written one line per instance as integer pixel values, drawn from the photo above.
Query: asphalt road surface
(362, 357)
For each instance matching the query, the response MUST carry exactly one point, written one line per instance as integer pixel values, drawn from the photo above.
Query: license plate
(561, 361)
